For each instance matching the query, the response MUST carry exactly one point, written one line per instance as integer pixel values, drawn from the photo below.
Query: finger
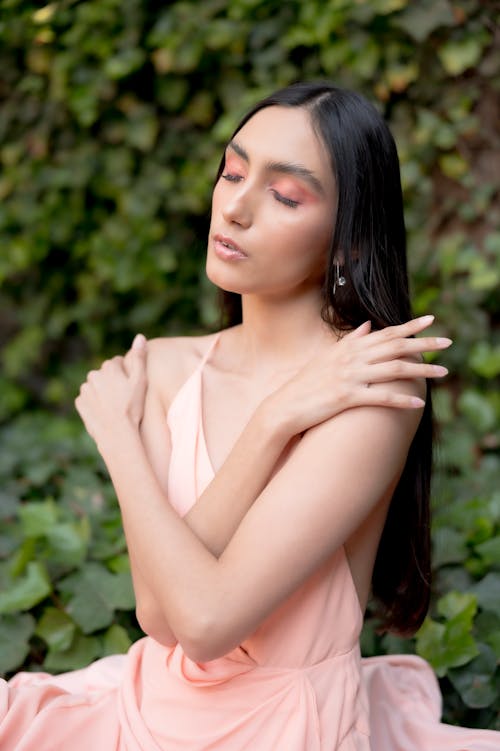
(91, 375)
(414, 326)
(139, 342)
(396, 370)
(403, 347)
(138, 354)
(114, 364)
(379, 398)
(127, 361)
(362, 330)
(425, 344)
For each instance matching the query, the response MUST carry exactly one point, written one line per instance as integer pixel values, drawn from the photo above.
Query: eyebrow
(286, 168)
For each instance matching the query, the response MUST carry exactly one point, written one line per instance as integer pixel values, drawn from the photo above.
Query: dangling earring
(339, 279)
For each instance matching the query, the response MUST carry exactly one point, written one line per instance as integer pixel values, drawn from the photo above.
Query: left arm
(309, 508)
(301, 517)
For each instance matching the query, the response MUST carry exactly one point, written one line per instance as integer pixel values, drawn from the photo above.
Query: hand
(340, 376)
(114, 395)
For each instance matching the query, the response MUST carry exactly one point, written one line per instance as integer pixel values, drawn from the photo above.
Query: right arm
(221, 507)
(334, 382)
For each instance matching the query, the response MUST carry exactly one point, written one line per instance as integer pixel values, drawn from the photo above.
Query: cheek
(220, 194)
(316, 237)
(322, 230)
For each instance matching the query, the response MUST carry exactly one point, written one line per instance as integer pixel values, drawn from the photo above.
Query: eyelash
(285, 200)
(231, 178)
(282, 199)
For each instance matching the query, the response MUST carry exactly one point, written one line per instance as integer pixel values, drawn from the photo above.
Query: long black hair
(369, 247)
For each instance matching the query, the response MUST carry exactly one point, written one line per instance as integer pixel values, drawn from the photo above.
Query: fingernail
(443, 341)
(416, 401)
(139, 341)
(440, 370)
(426, 319)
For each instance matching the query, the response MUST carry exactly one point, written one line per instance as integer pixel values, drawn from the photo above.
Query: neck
(281, 333)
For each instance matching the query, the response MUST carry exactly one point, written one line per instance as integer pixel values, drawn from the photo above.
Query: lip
(227, 249)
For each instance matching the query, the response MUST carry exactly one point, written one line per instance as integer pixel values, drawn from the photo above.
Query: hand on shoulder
(170, 362)
(362, 369)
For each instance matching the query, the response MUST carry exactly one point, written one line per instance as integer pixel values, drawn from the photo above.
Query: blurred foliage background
(112, 118)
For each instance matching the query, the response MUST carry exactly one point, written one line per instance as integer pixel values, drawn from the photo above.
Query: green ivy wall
(112, 118)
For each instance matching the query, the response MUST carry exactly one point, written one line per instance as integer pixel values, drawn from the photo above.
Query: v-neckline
(201, 422)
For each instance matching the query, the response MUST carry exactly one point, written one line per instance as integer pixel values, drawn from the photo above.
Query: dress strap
(209, 351)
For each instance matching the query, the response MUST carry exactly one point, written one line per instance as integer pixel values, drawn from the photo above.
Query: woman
(304, 437)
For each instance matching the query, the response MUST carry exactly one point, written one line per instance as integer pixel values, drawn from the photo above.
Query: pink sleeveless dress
(296, 684)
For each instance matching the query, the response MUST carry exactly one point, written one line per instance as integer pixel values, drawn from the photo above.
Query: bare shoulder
(368, 428)
(171, 360)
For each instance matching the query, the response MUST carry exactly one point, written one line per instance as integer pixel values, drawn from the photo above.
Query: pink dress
(296, 684)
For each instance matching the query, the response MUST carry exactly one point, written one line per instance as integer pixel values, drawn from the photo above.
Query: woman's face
(273, 208)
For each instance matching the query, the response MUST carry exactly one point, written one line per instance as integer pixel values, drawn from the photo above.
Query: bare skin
(296, 405)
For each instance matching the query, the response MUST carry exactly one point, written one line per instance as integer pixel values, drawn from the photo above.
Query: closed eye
(231, 178)
(283, 199)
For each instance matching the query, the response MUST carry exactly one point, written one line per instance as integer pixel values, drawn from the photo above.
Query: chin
(226, 279)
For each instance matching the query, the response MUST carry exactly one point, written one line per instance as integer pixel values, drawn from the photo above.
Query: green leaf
(429, 641)
(420, 19)
(120, 564)
(389, 6)
(485, 359)
(487, 630)
(482, 530)
(483, 276)
(490, 551)
(492, 243)
(478, 409)
(458, 447)
(449, 546)
(449, 250)
(124, 63)
(487, 593)
(56, 628)
(15, 632)
(458, 604)
(9, 505)
(22, 351)
(453, 165)
(27, 590)
(475, 682)
(22, 556)
(82, 651)
(449, 644)
(116, 640)
(475, 516)
(95, 594)
(142, 129)
(458, 55)
(68, 542)
(37, 519)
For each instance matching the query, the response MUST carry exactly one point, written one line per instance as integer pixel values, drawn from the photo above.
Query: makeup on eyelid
(232, 163)
(290, 189)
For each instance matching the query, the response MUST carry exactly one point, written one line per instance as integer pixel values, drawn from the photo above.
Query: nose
(238, 207)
